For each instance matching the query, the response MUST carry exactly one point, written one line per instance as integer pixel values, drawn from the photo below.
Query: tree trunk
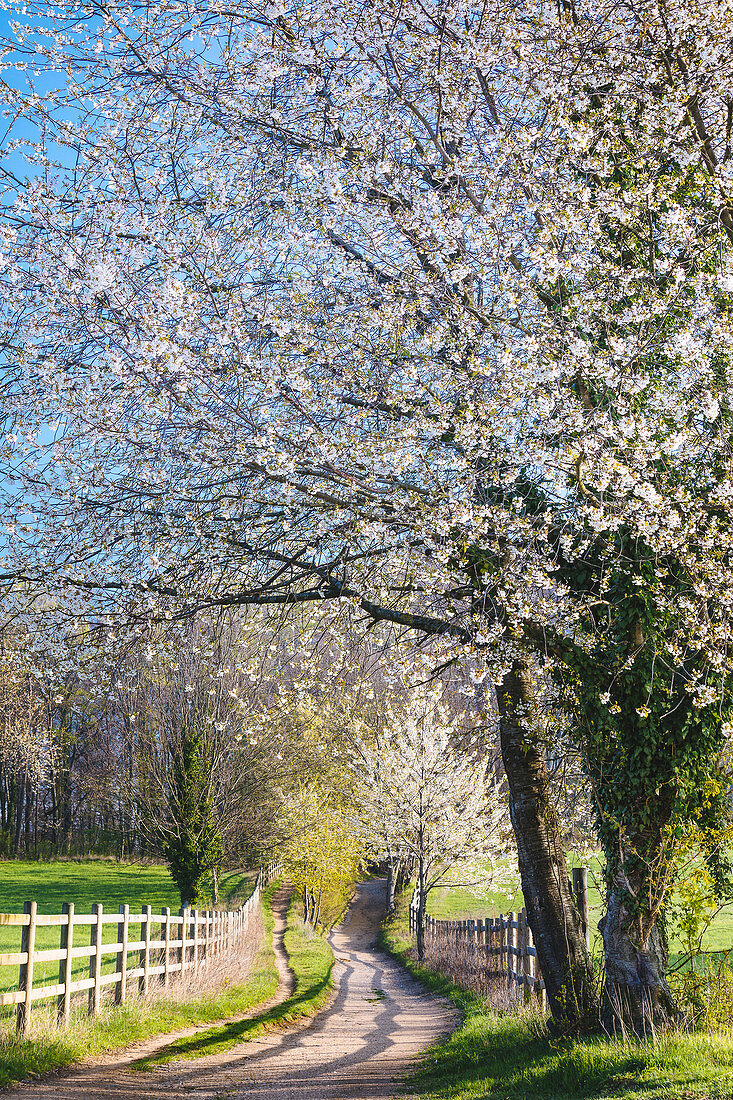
(636, 996)
(421, 910)
(393, 873)
(214, 887)
(551, 911)
(318, 904)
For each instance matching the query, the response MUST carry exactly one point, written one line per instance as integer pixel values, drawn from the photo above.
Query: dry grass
(466, 965)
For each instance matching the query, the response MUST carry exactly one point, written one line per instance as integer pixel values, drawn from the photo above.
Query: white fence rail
(166, 945)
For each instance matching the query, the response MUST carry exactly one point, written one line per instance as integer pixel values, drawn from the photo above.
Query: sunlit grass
(85, 882)
(47, 1048)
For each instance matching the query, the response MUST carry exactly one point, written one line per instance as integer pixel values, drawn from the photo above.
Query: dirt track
(378, 1020)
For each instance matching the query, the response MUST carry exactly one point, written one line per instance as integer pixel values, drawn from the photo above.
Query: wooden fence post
(95, 959)
(195, 940)
(25, 973)
(512, 959)
(166, 914)
(122, 937)
(185, 914)
(580, 889)
(490, 945)
(524, 948)
(63, 1005)
(147, 913)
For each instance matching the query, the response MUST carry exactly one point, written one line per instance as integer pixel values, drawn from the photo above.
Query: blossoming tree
(422, 793)
(423, 308)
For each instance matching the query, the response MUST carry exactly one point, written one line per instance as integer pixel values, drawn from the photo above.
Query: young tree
(423, 792)
(322, 853)
(190, 838)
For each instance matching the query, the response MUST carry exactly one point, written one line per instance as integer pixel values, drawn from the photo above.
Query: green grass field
(84, 883)
(461, 903)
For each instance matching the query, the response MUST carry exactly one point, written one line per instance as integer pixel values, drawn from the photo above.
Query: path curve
(377, 1021)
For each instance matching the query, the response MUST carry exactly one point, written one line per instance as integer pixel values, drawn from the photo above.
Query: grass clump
(509, 1055)
(311, 960)
(47, 1049)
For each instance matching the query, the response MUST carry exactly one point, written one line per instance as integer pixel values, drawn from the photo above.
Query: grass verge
(509, 1056)
(49, 1049)
(311, 960)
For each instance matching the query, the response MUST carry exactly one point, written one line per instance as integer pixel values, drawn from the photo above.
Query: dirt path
(378, 1020)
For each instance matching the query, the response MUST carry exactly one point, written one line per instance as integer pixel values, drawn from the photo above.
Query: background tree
(190, 838)
(424, 795)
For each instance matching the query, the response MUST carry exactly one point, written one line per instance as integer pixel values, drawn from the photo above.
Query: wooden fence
(168, 944)
(503, 944)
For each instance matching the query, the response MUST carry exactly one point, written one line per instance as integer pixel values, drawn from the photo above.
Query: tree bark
(636, 995)
(551, 911)
(393, 874)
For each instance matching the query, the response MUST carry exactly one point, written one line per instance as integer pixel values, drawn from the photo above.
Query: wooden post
(580, 890)
(502, 944)
(166, 914)
(147, 913)
(63, 1005)
(532, 960)
(95, 960)
(185, 914)
(195, 940)
(524, 957)
(487, 942)
(25, 973)
(512, 959)
(122, 937)
(207, 934)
